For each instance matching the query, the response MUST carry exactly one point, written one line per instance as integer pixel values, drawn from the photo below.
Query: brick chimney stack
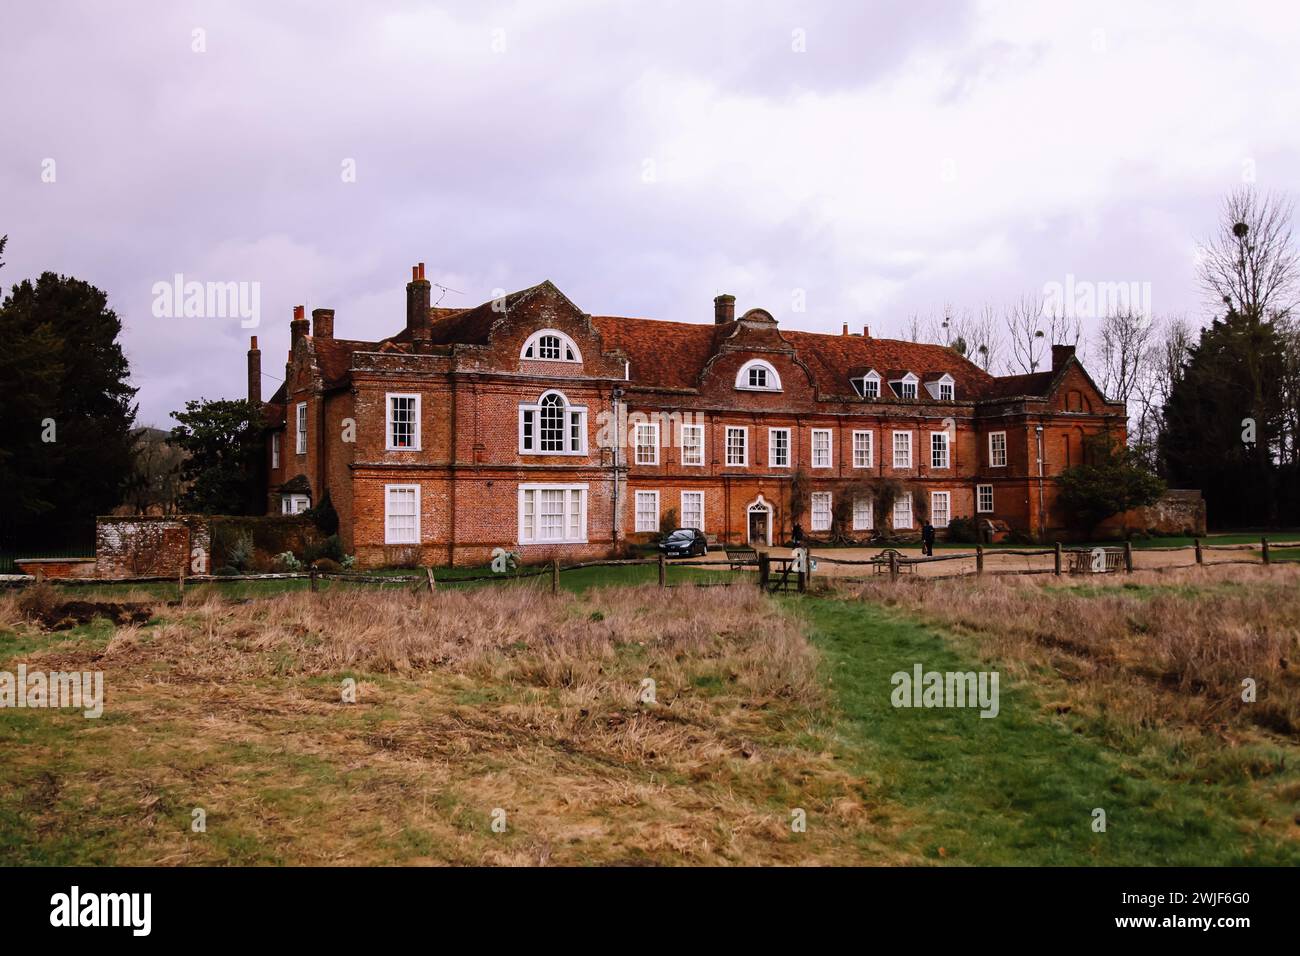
(298, 327)
(417, 303)
(254, 373)
(1060, 355)
(322, 323)
(866, 331)
(724, 309)
(846, 328)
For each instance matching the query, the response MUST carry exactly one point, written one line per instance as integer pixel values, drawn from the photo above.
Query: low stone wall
(146, 546)
(1177, 512)
(45, 568)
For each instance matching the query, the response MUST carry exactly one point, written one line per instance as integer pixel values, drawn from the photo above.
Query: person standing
(798, 535)
(927, 539)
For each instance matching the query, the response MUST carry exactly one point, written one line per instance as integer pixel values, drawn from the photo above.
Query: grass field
(509, 704)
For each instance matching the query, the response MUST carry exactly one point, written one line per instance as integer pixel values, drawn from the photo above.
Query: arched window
(552, 427)
(757, 375)
(550, 345)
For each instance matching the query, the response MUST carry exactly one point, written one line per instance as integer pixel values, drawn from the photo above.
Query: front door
(758, 527)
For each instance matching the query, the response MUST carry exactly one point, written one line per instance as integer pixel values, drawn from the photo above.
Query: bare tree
(1250, 264)
(1167, 350)
(1026, 337)
(1122, 352)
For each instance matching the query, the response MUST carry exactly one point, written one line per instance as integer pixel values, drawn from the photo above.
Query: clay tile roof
(666, 354)
(334, 357)
(1007, 386)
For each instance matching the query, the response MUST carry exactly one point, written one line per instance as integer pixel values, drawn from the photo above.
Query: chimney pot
(298, 327)
(421, 270)
(724, 309)
(866, 331)
(846, 328)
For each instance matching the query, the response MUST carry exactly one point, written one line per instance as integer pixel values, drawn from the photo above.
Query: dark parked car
(684, 543)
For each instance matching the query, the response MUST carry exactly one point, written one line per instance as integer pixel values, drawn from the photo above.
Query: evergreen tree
(224, 445)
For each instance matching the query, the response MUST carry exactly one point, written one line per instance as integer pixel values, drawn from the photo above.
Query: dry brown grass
(467, 702)
(1151, 649)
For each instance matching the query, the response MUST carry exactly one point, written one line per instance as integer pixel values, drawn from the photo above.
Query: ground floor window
(821, 511)
(647, 511)
(294, 504)
(940, 508)
(862, 518)
(552, 514)
(903, 511)
(984, 498)
(401, 514)
(693, 510)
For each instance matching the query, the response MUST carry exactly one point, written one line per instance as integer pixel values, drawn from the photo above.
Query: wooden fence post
(764, 570)
(893, 567)
(1128, 557)
(1264, 542)
(429, 573)
(180, 584)
(313, 579)
(1200, 558)
(1056, 560)
(555, 575)
(663, 570)
(979, 559)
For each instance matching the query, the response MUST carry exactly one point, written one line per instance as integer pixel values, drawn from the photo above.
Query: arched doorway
(758, 524)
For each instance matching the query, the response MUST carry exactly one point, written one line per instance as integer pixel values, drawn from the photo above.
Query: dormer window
(867, 386)
(757, 375)
(945, 391)
(550, 345)
(942, 388)
(905, 386)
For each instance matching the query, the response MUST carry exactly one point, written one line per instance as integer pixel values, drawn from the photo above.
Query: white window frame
(681, 513)
(772, 447)
(636, 512)
(861, 523)
(812, 510)
(906, 383)
(275, 449)
(980, 490)
(947, 508)
(905, 498)
(528, 535)
(388, 516)
(948, 387)
(567, 347)
(300, 429)
(993, 462)
(696, 430)
(773, 379)
(942, 438)
(830, 447)
(416, 423)
(294, 504)
(868, 460)
(744, 446)
(653, 458)
(571, 412)
(894, 446)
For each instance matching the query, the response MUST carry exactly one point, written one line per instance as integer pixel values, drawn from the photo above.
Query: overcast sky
(644, 156)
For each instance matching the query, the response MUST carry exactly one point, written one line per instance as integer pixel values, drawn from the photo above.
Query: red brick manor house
(528, 424)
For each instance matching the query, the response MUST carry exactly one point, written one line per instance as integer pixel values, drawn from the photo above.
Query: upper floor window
(938, 449)
(906, 387)
(902, 449)
(300, 433)
(737, 446)
(275, 449)
(758, 375)
(945, 391)
(550, 345)
(821, 447)
(997, 449)
(862, 450)
(647, 443)
(778, 447)
(403, 422)
(692, 445)
(552, 427)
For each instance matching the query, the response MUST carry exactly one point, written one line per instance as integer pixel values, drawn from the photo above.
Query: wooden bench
(1081, 562)
(742, 557)
(883, 559)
